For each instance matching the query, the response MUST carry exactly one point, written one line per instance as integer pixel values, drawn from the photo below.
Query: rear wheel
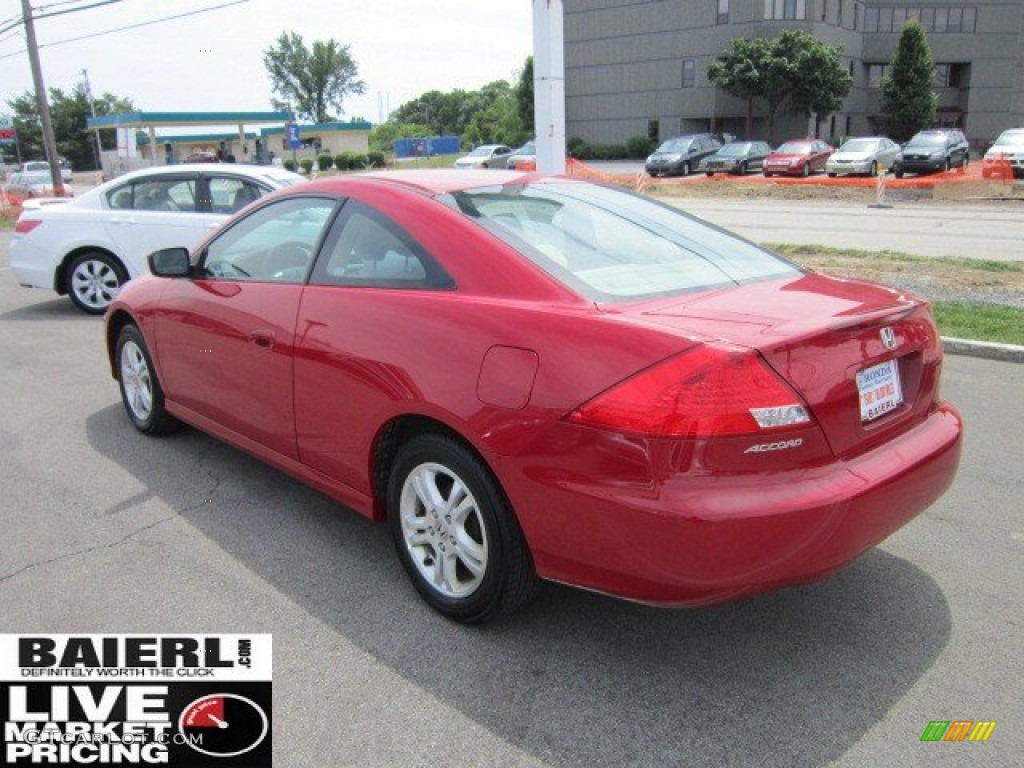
(93, 281)
(898, 174)
(767, 175)
(874, 169)
(742, 170)
(455, 532)
(709, 174)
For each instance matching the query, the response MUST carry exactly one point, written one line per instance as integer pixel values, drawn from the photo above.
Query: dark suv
(682, 154)
(929, 151)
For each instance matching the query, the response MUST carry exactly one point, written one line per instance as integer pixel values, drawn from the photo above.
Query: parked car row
(928, 151)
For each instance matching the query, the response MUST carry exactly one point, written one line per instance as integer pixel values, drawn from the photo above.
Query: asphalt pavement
(104, 530)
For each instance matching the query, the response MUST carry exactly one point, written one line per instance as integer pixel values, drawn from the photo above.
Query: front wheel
(874, 169)
(93, 280)
(455, 532)
(140, 390)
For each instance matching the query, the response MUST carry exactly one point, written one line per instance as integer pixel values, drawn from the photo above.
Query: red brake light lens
(705, 392)
(24, 226)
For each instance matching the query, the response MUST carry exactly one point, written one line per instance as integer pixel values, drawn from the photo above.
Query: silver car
(486, 156)
(862, 155)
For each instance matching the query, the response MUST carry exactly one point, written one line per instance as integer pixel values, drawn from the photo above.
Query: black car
(737, 157)
(933, 150)
(682, 154)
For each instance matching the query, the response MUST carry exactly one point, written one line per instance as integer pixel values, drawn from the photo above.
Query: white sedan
(89, 247)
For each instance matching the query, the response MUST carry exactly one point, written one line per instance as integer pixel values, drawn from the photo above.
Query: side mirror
(170, 262)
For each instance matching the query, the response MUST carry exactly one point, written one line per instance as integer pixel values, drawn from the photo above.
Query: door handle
(122, 220)
(264, 339)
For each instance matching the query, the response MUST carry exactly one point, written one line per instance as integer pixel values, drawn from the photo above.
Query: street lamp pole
(49, 141)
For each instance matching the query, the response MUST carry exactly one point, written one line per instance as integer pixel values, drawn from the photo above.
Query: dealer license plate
(879, 390)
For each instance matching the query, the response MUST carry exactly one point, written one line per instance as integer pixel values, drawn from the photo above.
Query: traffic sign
(294, 142)
(6, 130)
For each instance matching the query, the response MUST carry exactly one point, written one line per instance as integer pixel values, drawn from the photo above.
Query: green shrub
(574, 145)
(307, 165)
(359, 161)
(325, 162)
(289, 164)
(640, 146)
(376, 159)
(345, 161)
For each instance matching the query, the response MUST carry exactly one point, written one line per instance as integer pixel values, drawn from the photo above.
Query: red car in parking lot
(540, 378)
(800, 157)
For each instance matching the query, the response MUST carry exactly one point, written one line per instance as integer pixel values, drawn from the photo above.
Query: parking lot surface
(105, 530)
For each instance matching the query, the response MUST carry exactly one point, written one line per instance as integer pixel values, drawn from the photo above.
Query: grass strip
(980, 322)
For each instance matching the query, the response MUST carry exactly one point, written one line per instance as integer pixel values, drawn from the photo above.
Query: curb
(1010, 353)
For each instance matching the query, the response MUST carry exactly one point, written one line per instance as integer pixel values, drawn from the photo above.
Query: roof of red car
(435, 181)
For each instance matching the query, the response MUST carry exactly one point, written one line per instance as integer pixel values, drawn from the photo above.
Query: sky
(213, 61)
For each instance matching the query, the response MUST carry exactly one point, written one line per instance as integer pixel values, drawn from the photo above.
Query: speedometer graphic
(223, 724)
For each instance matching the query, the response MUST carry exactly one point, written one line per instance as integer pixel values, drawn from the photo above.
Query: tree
(524, 96)
(490, 114)
(68, 112)
(793, 73)
(311, 80)
(908, 101)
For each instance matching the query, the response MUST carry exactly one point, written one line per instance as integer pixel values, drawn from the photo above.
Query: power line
(131, 26)
(73, 10)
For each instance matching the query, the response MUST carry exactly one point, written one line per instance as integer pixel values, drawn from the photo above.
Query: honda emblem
(888, 336)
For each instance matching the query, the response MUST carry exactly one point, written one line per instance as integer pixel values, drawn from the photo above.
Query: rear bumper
(696, 539)
(32, 267)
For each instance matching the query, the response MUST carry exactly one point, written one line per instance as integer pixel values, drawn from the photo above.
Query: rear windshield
(611, 246)
(1009, 138)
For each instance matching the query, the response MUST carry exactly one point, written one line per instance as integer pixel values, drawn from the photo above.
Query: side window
(273, 244)
(367, 249)
(229, 194)
(155, 194)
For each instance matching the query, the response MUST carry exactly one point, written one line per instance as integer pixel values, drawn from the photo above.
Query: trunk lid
(818, 333)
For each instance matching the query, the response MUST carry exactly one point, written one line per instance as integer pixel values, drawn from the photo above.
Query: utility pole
(98, 149)
(49, 141)
(549, 85)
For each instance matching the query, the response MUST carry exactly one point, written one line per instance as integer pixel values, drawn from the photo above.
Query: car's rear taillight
(24, 226)
(705, 392)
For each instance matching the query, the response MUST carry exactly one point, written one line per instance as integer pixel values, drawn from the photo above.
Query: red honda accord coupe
(538, 378)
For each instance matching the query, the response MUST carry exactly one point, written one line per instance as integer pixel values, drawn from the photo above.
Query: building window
(723, 11)
(875, 74)
(652, 130)
(785, 9)
(688, 73)
(933, 19)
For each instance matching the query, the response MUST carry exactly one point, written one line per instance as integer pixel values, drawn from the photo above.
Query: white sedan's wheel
(94, 280)
(443, 531)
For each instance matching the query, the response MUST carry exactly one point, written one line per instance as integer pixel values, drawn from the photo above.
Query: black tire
(874, 169)
(767, 175)
(709, 174)
(506, 578)
(742, 170)
(93, 279)
(831, 175)
(141, 393)
(898, 174)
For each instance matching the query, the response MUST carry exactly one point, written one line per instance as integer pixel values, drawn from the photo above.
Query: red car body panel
(307, 378)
